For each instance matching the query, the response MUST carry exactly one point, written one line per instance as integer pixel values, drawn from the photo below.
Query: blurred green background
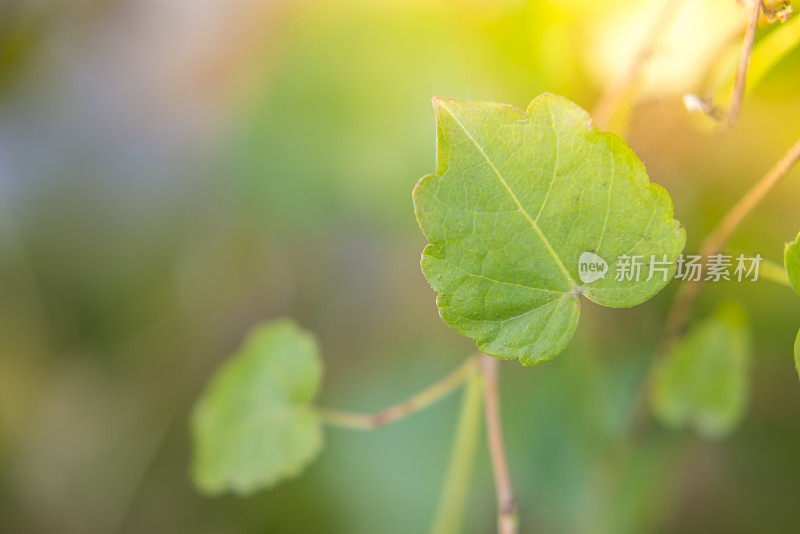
(172, 172)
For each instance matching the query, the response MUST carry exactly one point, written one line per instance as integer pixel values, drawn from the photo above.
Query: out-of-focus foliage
(767, 54)
(22, 27)
(696, 33)
(703, 381)
(797, 352)
(173, 172)
(517, 199)
(254, 425)
(791, 259)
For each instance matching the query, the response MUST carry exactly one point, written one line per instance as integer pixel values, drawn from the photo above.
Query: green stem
(507, 511)
(421, 400)
(450, 510)
(688, 292)
(744, 62)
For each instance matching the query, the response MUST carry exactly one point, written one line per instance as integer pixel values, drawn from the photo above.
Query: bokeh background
(173, 172)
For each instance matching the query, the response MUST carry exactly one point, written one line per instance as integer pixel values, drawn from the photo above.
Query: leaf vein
(535, 226)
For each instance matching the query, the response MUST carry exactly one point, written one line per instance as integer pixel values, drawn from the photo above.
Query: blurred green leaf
(702, 382)
(791, 259)
(797, 353)
(254, 426)
(516, 200)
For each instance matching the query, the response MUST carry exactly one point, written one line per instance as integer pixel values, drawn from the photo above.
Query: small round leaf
(702, 381)
(254, 426)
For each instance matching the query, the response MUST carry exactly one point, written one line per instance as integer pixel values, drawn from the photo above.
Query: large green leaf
(702, 382)
(517, 198)
(253, 426)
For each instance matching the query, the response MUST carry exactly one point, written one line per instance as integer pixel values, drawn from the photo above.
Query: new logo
(591, 267)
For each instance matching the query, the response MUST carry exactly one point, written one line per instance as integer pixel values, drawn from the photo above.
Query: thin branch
(507, 513)
(689, 291)
(616, 91)
(751, 199)
(419, 401)
(744, 62)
